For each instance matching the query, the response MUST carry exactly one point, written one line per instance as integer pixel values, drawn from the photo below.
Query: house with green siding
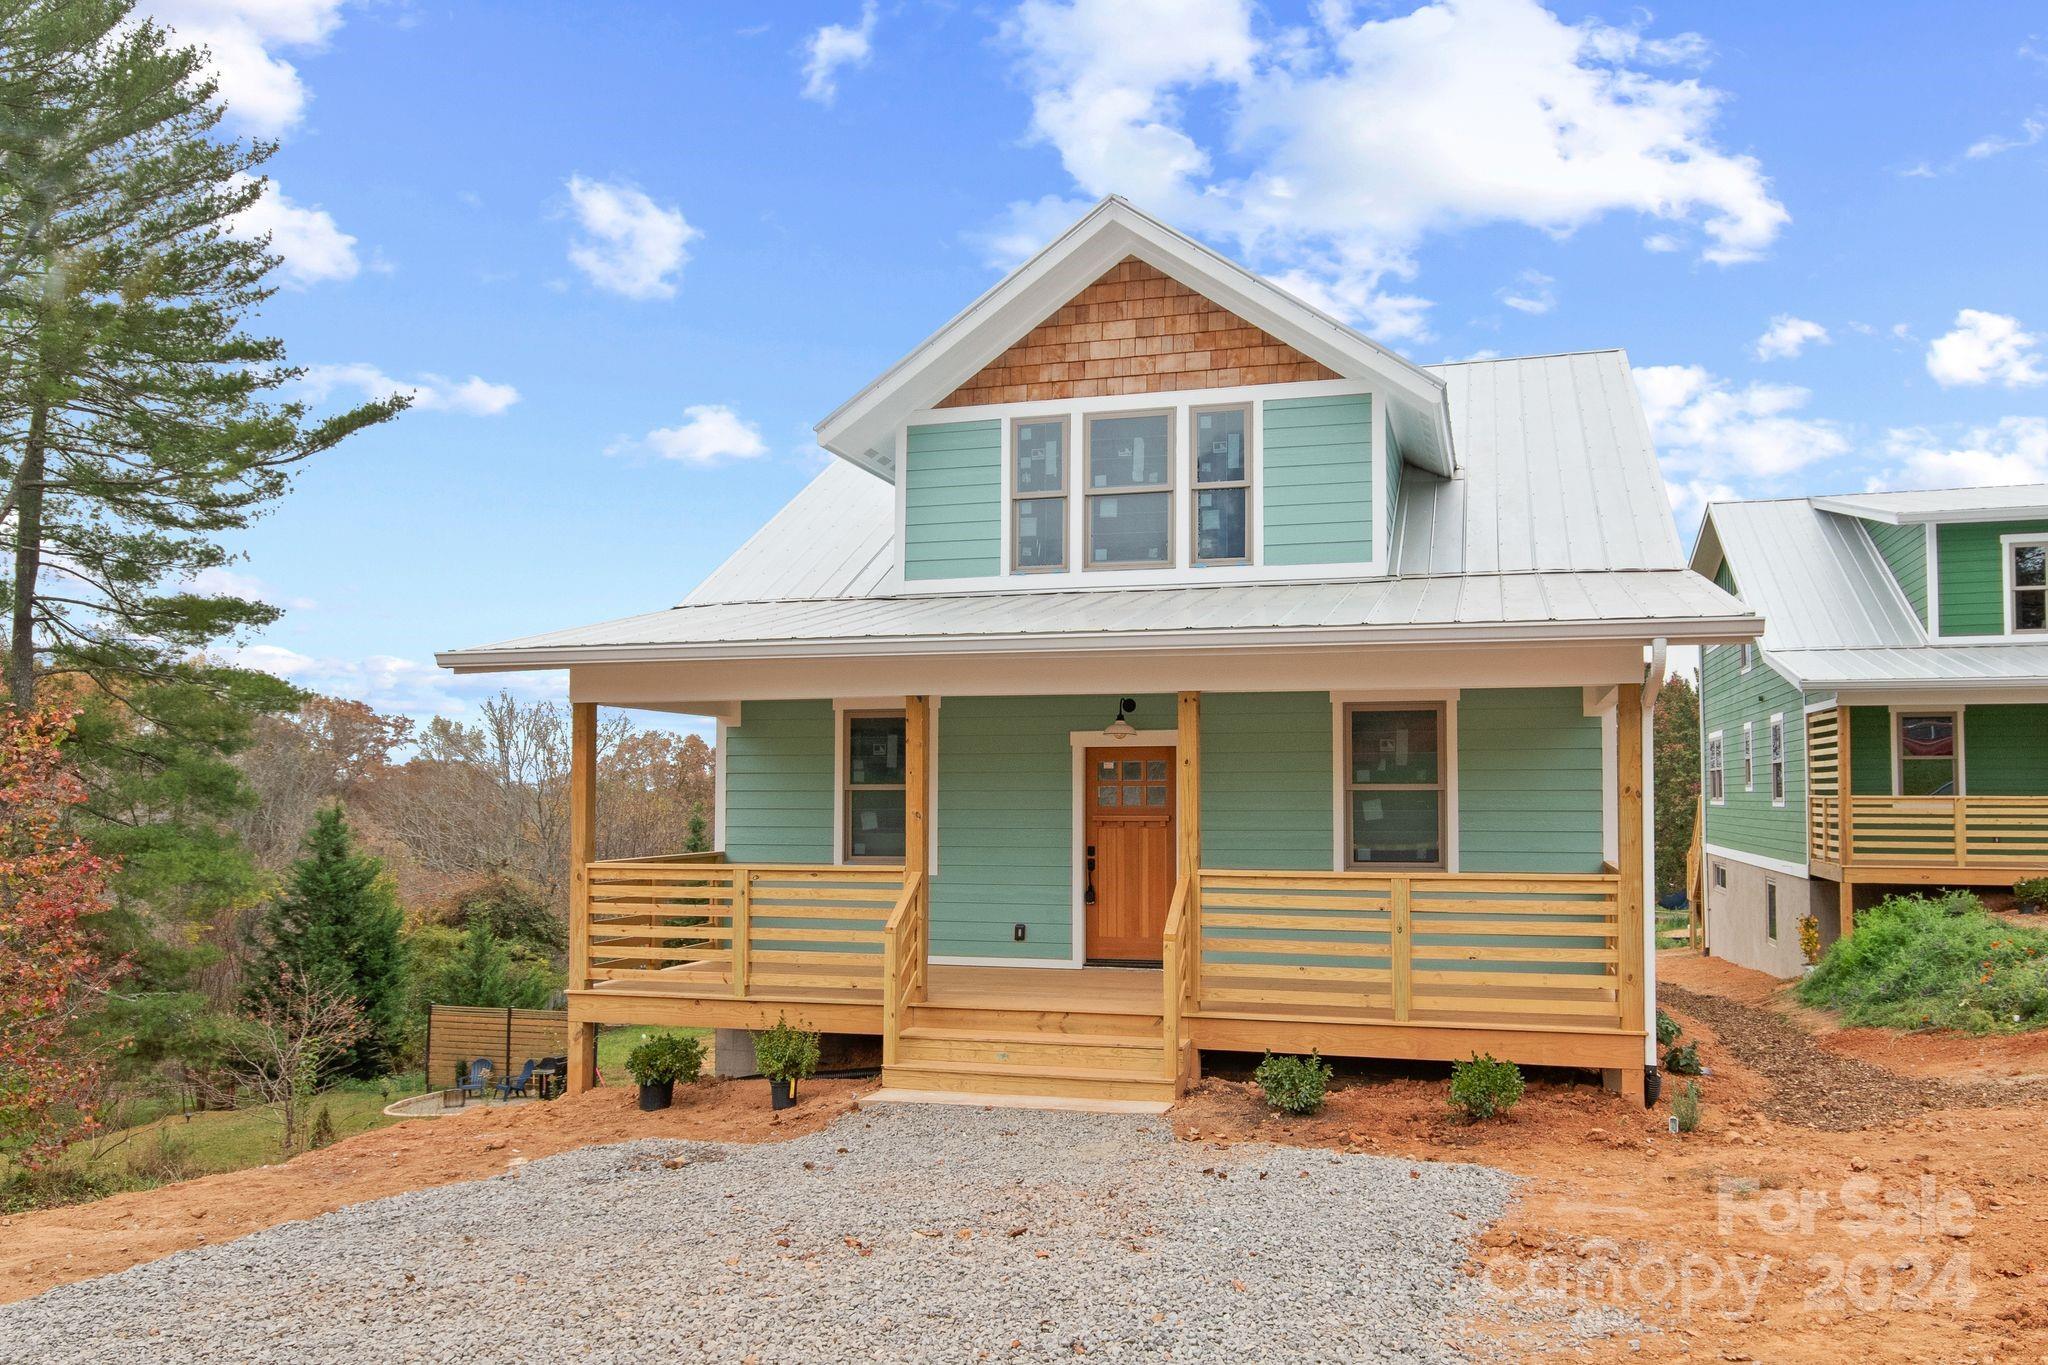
(1162, 666)
(1891, 728)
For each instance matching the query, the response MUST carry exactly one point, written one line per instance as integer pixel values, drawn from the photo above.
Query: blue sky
(627, 255)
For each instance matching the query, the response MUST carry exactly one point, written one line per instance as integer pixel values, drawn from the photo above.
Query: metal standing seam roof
(1949, 504)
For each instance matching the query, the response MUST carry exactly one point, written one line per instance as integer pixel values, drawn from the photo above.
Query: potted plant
(658, 1063)
(785, 1055)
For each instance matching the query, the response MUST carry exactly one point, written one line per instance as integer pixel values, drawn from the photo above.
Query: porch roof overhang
(1996, 668)
(1548, 608)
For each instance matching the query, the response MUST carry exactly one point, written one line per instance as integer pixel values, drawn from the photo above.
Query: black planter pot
(781, 1094)
(653, 1097)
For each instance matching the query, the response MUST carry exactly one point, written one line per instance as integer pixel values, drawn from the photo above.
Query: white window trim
(1250, 485)
(2006, 545)
(1182, 570)
(1340, 789)
(1178, 421)
(1717, 877)
(1777, 759)
(1747, 653)
(1898, 757)
(1749, 756)
(1715, 754)
(1011, 497)
(840, 706)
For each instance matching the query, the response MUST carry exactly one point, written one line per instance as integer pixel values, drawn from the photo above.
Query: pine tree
(337, 925)
(481, 973)
(1675, 760)
(698, 838)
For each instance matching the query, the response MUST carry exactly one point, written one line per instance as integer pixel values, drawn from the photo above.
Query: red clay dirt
(1747, 1215)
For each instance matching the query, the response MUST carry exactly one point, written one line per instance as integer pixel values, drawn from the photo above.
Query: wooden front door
(1127, 851)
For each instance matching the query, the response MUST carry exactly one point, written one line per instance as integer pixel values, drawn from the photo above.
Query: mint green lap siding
(2005, 750)
(1006, 819)
(1904, 549)
(1529, 784)
(953, 504)
(1870, 750)
(1267, 781)
(1747, 821)
(1317, 480)
(778, 783)
(1973, 574)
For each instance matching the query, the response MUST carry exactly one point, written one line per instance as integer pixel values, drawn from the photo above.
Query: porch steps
(1052, 1082)
(1105, 1052)
(1053, 1055)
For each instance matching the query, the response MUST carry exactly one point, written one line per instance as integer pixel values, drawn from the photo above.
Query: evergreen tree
(698, 838)
(481, 973)
(1675, 764)
(338, 926)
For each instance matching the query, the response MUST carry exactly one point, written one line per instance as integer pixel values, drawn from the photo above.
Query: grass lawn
(614, 1043)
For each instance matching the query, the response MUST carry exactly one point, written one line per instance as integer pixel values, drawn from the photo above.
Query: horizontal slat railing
(750, 930)
(1413, 947)
(1941, 831)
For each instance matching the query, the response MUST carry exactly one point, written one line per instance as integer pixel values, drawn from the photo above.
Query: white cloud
(832, 47)
(1985, 348)
(1330, 153)
(473, 397)
(262, 90)
(219, 581)
(2031, 131)
(1532, 292)
(1787, 336)
(2011, 450)
(1708, 430)
(393, 684)
(1663, 242)
(1689, 498)
(314, 249)
(708, 433)
(632, 245)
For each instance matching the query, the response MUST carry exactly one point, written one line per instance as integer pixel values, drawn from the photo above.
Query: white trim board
(1340, 762)
(1756, 860)
(1081, 741)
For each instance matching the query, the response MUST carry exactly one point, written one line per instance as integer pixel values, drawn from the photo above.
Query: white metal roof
(837, 538)
(1947, 504)
(1833, 615)
(1672, 603)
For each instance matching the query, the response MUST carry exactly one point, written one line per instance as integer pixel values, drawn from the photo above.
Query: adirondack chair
(516, 1085)
(478, 1082)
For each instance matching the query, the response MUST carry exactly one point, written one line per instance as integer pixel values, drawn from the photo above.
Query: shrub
(162, 1161)
(1294, 1084)
(1483, 1087)
(1667, 1029)
(785, 1053)
(323, 1134)
(1685, 1107)
(1934, 961)
(1683, 1060)
(1809, 939)
(2031, 895)
(666, 1058)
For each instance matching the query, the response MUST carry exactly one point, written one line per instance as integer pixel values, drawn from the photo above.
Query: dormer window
(1130, 491)
(1038, 486)
(1223, 485)
(2026, 578)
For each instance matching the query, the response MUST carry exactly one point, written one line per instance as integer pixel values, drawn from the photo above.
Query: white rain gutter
(1659, 673)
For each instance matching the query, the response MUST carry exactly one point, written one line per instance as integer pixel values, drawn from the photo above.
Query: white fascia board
(1112, 230)
(1850, 506)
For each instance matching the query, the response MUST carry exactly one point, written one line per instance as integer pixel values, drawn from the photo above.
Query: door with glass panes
(1127, 852)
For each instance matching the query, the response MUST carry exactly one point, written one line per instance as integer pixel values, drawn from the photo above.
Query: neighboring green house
(1165, 666)
(1909, 631)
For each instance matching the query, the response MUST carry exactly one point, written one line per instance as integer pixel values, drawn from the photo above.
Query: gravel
(900, 1233)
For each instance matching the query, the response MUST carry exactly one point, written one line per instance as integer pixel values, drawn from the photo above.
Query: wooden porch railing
(1178, 951)
(701, 926)
(1412, 947)
(1973, 832)
(906, 960)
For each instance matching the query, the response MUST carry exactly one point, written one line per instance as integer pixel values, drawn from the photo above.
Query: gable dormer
(1129, 408)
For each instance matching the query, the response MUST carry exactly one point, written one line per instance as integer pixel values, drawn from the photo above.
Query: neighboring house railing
(1975, 832)
(1419, 947)
(906, 960)
(702, 926)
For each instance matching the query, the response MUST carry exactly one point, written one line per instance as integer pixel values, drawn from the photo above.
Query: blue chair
(478, 1082)
(516, 1085)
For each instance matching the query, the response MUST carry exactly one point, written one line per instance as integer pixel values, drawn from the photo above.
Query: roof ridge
(1540, 355)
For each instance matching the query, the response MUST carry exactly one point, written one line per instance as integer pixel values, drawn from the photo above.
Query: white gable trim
(864, 429)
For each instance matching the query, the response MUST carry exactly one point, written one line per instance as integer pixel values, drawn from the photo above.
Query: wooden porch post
(1629, 903)
(1845, 774)
(582, 852)
(917, 827)
(1188, 796)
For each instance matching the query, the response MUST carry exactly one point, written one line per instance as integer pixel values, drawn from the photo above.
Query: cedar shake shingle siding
(1135, 330)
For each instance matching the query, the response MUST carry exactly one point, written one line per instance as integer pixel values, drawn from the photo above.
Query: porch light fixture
(1121, 728)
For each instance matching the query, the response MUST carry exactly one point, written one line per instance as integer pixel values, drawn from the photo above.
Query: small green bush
(666, 1058)
(1685, 1107)
(1934, 962)
(1683, 1060)
(2031, 895)
(1294, 1084)
(785, 1053)
(1483, 1087)
(1667, 1029)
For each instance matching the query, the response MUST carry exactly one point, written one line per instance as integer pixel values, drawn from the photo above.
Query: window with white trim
(1748, 756)
(1748, 655)
(1928, 763)
(1130, 490)
(1720, 876)
(1394, 774)
(1038, 493)
(1778, 760)
(1221, 485)
(2026, 586)
(872, 805)
(1717, 790)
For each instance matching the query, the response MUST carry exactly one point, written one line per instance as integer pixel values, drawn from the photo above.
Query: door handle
(1088, 895)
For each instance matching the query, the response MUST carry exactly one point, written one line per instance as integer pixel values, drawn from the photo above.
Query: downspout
(1653, 684)
(1660, 673)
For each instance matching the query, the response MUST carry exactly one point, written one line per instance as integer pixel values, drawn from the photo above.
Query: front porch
(1543, 968)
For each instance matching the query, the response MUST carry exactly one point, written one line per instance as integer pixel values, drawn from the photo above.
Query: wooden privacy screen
(459, 1034)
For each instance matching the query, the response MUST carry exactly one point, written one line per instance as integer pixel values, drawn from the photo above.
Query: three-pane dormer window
(1130, 491)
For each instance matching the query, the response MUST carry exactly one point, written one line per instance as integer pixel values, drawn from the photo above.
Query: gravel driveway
(900, 1233)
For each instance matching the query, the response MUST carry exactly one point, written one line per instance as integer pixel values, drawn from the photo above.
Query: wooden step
(1125, 1053)
(1057, 1082)
(978, 1018)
